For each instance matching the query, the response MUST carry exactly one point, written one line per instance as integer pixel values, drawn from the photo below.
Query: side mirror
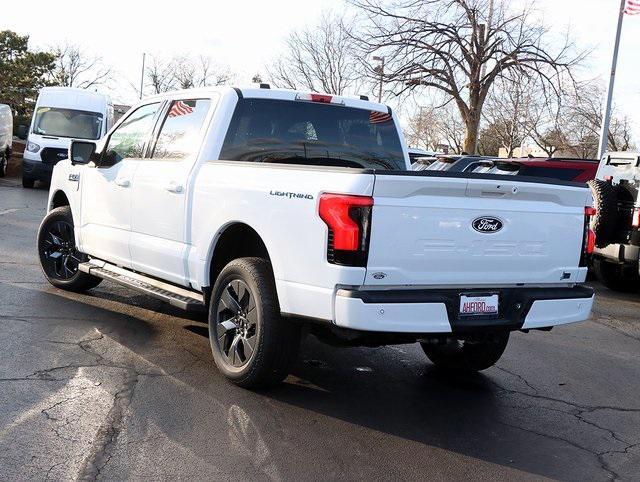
(82, 152)
(22, 132)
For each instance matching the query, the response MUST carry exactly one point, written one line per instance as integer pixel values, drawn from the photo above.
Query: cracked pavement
(114, 385)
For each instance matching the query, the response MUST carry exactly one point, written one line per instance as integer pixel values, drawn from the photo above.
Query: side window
(129, 138)
(179, 136)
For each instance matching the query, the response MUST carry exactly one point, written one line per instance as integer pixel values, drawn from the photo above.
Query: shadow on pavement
(381, 409)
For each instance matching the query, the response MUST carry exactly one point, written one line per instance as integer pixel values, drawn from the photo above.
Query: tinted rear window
(298, 132)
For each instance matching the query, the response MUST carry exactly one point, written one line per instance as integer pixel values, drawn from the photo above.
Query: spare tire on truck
(605, 201)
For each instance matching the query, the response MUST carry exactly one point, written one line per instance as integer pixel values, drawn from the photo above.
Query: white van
(62, 114)
(6, 137)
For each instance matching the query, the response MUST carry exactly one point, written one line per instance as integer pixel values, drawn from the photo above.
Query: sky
(245, 35)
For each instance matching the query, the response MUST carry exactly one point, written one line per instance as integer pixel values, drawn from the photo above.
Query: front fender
(65, 180)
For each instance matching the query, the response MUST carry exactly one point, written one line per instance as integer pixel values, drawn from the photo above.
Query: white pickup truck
(284, 212)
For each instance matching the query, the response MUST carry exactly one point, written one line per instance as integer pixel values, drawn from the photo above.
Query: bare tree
(458, 48)
(199, 72)
(586, 113)
(160, 75)
(319, 59)
(436, 127)
(506, 113)
(185, 72)
(568, 121)
(423, 128)
(453, 129)
(75, 68)
(489, 143)
(547, 116)
(620, 135)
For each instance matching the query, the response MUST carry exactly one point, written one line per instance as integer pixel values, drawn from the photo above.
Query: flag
(632, 7)
(379, 117)
(180, 108)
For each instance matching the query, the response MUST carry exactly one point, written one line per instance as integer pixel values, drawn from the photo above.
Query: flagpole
(604, 132)
(142, 75)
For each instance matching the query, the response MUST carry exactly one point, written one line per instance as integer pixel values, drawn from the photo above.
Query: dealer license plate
(479, 305)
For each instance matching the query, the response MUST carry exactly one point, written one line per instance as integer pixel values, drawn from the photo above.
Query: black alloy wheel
(58, 254)
(252, 344)
(237, 324)
(61, 258)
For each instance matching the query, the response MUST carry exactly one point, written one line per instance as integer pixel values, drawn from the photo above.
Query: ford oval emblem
(487, 224)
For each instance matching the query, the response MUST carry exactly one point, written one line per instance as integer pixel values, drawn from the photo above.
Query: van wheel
(616, 277)
(466, 355)
(3, 164)
(27, 182)
(59, 257)
(252, 345)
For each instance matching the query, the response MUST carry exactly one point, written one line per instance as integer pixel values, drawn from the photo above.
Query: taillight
(323, 98)
(589, 240)
(320, 98)
(348, 218)
(635, 219)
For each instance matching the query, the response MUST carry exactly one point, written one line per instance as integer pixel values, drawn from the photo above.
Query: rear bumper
(619, 253)
(436, 311)
(37, 170)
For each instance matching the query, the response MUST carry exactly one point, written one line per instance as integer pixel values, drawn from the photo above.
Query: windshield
(79, 124)
(312, 133)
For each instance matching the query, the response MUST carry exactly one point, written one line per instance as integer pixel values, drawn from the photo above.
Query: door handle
(122, 182)
(174, 187)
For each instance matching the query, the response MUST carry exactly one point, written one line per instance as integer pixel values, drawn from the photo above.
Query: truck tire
(617, 277)
(466, 355)
(252, 345)
(27, 182)
(605, 201)
(59, 257)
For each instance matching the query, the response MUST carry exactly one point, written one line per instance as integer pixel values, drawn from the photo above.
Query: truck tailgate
(438, 231)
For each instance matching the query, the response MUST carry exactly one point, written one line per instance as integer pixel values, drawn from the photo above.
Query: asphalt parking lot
(114, 385)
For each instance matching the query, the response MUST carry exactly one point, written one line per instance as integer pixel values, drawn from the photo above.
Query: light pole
(604, 129)
(142, 75)
(381, 72)
(485, 31)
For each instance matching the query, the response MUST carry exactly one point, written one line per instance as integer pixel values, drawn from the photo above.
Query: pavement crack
(45, 411)
(54, 466)
(105, 441)
(519, 377)
(599, 456)
(581, 408)
(578, 412)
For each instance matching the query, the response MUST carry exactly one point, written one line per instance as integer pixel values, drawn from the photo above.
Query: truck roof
(360, 102)
(73, 98)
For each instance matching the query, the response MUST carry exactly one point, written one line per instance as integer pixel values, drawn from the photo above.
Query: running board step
(174, 295)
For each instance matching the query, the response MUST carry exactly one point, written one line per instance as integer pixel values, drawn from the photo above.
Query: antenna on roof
(265, 86)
